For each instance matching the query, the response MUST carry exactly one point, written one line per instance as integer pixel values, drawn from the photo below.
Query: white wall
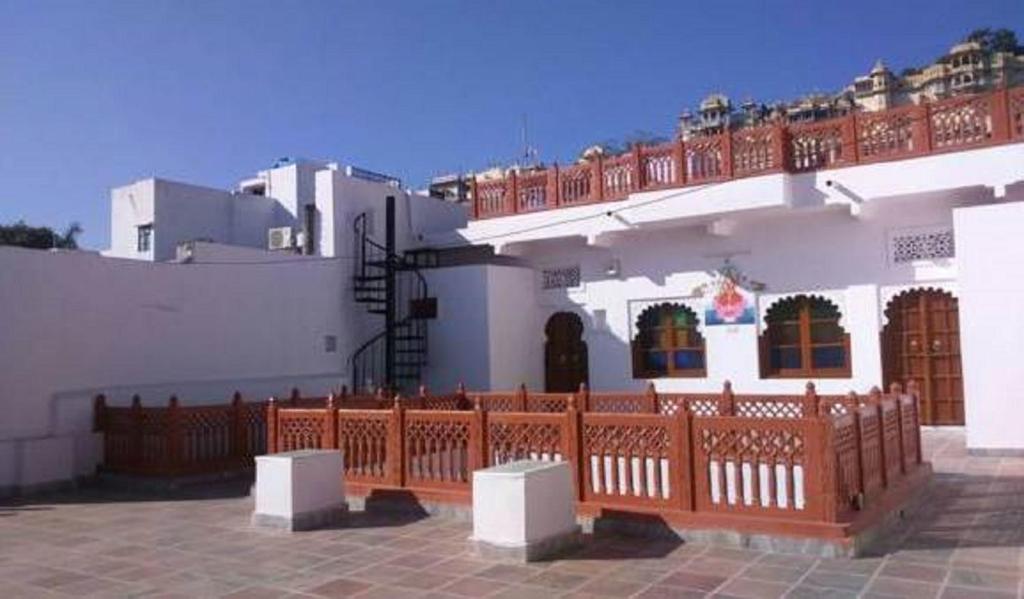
(75, 324)
(990, 257)
(824, 251)
(485, 332)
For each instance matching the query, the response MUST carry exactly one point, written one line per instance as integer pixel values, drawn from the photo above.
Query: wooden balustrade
(774, 458)
(181, 440)
(954, 124)
(803, 458)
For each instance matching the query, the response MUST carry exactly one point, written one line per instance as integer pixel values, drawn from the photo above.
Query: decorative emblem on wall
(730, 296)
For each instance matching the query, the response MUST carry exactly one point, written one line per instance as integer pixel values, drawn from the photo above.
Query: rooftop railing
(954, 124)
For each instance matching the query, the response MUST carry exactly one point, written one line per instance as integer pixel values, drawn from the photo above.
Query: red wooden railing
(177, 440)
(954, 124)
(806, 458)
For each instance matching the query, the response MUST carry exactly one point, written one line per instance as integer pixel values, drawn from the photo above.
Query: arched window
(804, 339)
(667, 343)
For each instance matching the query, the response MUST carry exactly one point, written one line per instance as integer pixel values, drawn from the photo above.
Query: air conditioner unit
(280, 238)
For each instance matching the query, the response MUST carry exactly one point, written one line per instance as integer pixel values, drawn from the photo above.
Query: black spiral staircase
(394, 289)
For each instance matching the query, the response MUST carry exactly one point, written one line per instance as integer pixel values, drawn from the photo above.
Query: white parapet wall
(990, 257)
(75, 324)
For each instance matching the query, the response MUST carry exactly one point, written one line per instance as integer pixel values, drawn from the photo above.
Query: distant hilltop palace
(969, 67)
(986, 59)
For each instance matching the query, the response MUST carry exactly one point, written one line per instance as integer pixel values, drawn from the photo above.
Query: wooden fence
(762, 459)
(807, 458)
(960, 123)
(181, 440)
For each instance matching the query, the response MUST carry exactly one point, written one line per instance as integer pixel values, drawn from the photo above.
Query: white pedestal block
(299, 490)
(524, 511)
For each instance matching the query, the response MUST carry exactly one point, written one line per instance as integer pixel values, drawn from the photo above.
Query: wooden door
(921, 342)
(565, 353)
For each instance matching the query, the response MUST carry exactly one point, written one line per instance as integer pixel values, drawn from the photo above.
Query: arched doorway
(565, 353)
(921, 342)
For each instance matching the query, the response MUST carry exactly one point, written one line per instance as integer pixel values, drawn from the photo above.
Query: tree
(995, 40)
(41, 238)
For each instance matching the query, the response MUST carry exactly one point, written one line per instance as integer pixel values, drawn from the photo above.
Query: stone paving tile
(470, 586)
(966, 542)
(754, 589)
(883, 586)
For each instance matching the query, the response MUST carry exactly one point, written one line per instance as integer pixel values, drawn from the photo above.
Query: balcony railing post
(136, 452)
(521, 401)
(478, 444)
(679, 468)
(679, 161)
(638, 167)
(727, 405)
(1000, 105)
(651, 399)
(476, 197)
(238, 437)
(583, 398)
(512, 187)
(597, 178)
(823, 430)
(330, 423)
(173, 439)
(811, 402)
(463, 401)
(913, 392)
(575, 449)
(921, 129)
(396, 441)
(850, 151)
(726, 154)
(781, 147)
(271, 425)
(551, 198)
(99, 413)
(859, 439)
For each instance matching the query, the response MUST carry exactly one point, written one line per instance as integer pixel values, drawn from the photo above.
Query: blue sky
(96, 94)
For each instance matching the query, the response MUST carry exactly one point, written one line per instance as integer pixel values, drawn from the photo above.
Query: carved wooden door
(921, 342)
(565, 353)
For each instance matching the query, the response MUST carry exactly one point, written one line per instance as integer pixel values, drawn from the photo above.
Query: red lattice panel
(762, 407)
(299, 428)
(961, 122)
(660, 168)
(817, 145)
(886, 134)
(753, 151)
(909, 420)
(547, 402)
(620, 177)
(512, 437)
(847, 462)
(871, 450)
(892, 446)
(704, 159)
(751, 465)
(575, 183)
(628, 458)
(363, 441)
(437, 446)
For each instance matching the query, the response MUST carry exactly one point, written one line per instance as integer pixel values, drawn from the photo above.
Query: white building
(850, 253)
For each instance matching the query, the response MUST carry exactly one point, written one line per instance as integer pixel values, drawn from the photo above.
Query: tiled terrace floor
(966, 544)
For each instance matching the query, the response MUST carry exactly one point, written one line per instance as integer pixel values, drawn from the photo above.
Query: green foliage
(41, 238)
(996, 40)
